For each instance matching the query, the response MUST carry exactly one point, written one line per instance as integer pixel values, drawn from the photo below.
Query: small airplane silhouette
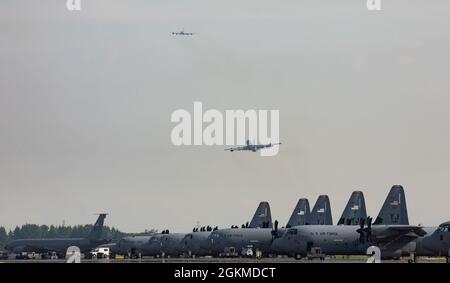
(182, 33)
(252, 147)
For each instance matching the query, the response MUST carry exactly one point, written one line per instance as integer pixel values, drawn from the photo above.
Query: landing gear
(412, 258)
(298, 256)
(447, 258)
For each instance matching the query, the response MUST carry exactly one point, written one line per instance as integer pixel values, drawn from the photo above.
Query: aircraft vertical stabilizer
(300, 215)
(355, 210)
(97, 230)
(262, 217)
(321, 212)
(394, 210)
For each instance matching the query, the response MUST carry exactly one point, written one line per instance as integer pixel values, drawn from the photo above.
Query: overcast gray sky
(86, 99)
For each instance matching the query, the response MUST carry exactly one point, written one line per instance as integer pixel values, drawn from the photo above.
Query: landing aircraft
(60, 245)
(251, 147)
(182, 32)
(391, 232)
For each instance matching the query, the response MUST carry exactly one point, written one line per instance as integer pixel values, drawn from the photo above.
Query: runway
(356, 259)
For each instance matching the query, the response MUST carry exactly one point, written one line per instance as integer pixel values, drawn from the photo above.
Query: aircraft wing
(234, 148)
(32, 248)
(389, 233)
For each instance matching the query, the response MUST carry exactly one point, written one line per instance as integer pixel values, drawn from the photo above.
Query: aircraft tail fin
(262, 217)
(394, 211)
(321, 212)
(300, 215)
(355, 210)
(97, 230)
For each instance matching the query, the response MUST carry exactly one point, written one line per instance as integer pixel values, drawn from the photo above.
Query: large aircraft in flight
(60, 245)
(390, 231)
(251, 147)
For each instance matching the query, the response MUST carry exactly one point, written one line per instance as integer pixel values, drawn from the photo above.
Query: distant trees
(28, 231)
(3, 236)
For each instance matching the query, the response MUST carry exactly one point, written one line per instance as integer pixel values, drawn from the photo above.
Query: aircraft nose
(277, 246)
(207, 244)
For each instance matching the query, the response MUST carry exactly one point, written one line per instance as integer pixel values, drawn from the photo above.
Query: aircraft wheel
(298, 256)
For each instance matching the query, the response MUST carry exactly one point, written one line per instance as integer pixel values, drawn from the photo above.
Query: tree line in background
(33, 231)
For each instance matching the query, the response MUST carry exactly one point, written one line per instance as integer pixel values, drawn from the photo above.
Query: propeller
(368, 230)
(365, 233)
(361, 230)
(275, 230)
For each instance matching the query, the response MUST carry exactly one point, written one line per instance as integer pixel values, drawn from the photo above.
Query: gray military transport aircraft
(251, 147)
(129, 246)
(391, 232)
(163, 244)
(195, 244)
(248, 240)
(198, 243)
(321, 215)
(60, 245)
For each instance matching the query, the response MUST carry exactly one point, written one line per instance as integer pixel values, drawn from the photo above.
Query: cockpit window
(444, 228)
(292, 231)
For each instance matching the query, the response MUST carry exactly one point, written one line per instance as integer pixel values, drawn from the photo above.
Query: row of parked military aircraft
(306, 229)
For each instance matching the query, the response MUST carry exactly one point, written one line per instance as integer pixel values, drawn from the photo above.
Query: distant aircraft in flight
(182, 32)
(252, 147)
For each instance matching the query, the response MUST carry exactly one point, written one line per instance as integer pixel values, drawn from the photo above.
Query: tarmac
(228, 260)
